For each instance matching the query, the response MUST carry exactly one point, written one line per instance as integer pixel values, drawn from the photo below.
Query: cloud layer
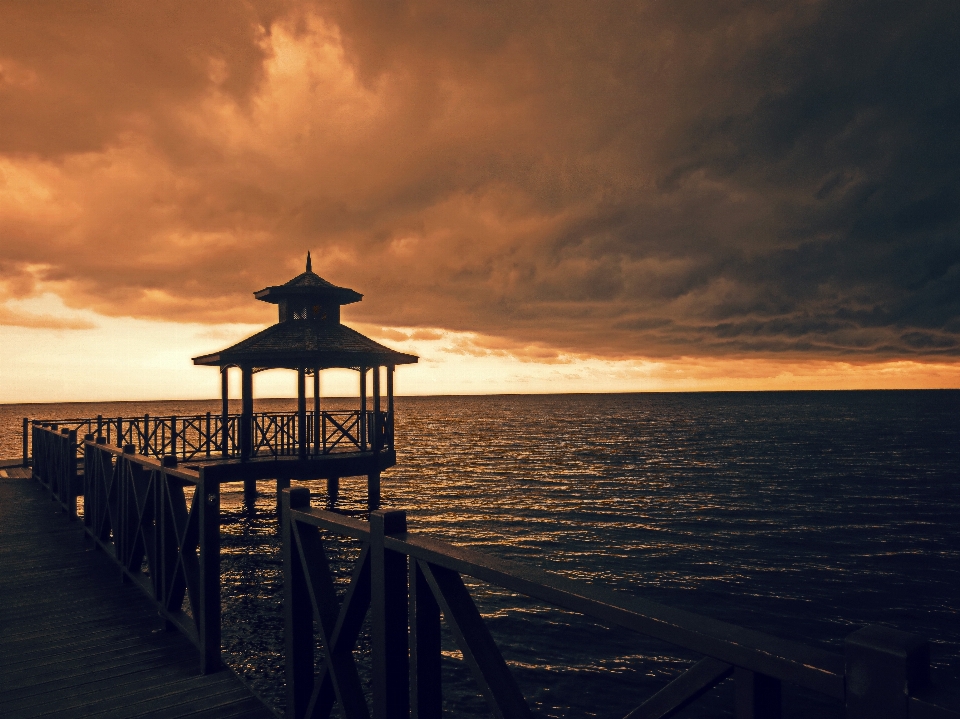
(608, 179)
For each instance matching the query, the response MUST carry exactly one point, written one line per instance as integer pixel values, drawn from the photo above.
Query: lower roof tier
(308, 344)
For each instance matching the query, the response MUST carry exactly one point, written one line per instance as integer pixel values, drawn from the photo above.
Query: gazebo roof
(307, 344)
(304, 339)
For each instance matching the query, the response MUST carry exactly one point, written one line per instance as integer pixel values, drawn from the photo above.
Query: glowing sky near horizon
(533, 197)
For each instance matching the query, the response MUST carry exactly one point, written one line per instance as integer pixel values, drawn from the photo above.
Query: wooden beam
(317, 423)
(246, 412)
(493, 676)
(682, 691)
(224, 411)
(390, 417)
(363, 409)
(301, 412)
(377, 439)
(388, 618)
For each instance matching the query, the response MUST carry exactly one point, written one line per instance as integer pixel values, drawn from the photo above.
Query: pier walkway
(76, 642)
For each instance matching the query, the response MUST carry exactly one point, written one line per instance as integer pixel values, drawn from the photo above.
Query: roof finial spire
(309, 264)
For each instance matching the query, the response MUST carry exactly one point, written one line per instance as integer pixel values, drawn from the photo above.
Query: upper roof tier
(309, 334)
(308, 285)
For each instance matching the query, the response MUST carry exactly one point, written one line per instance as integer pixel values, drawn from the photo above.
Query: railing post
(388, 618)
(757, 695)
(426, 697)
(298, 636)
(362, 431)
(376, 439)
(209, 549)
(209, 438)
(883, 668)
(173, 435)
(390, 406)
(246, 413)
(26, 426)
(94, 502)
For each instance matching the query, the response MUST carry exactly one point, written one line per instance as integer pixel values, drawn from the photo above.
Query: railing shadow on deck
(407, 581)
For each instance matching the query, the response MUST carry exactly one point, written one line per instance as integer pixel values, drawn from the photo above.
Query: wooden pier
(77, 642)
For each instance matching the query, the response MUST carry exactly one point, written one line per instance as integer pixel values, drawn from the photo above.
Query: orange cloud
(625, 180)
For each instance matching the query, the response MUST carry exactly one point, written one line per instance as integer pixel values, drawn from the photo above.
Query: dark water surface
(801, 514)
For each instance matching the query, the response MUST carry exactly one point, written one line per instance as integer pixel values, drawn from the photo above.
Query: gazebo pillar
(377, 439)
(317, 423)
(224, 411)
(301, 412)
(246, 412)
(362, 430)
(390, 405)
(373, 478)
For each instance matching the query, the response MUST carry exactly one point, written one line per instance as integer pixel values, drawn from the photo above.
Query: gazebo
(309, 338)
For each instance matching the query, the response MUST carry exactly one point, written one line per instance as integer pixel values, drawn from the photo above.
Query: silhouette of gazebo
(309, 338)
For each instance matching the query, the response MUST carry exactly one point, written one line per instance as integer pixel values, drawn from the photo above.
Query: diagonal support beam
(684, 690)
(339, 673)
(490, 670)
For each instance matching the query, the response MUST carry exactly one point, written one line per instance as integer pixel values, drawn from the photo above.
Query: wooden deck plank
(90, 691)
(77, 642)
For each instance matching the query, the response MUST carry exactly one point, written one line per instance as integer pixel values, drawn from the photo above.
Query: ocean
(802, 514)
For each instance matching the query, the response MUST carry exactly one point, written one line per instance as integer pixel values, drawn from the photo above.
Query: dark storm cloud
(643, 179)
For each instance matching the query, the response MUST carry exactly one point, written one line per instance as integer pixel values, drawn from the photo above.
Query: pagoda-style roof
(306, 343)
(309, 334)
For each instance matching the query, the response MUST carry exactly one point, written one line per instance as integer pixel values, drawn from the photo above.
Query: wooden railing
(406, 581)
(55, 463)
(161, 525)
(205, 436)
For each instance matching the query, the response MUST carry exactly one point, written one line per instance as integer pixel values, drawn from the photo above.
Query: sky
(531, 196)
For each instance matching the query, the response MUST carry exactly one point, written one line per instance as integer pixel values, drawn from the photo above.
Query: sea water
(802, 514)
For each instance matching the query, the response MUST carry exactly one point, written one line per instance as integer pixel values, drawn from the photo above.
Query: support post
(757, 695)
(316, 411)
(377, 439)
(426, 697)
(363, 409)
(209, 550)
(373, 490)
(302, 412)
(388, 618)
(883, 667)
(298, 636)
(282, 484)
(26, 445)
(390, 407)
(224, 411)
(69, 491)
(333, 490)
(246, 412)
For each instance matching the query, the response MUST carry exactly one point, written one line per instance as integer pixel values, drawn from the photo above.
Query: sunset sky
(532, 196)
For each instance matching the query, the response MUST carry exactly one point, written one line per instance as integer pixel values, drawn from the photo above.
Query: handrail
(883, 673)
(141, 510)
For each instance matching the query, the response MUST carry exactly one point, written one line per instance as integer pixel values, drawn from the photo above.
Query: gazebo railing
(205, 437)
